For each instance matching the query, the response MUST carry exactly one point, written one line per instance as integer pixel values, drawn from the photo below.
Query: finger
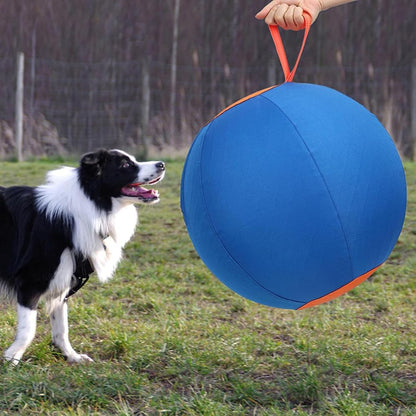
(277, 16)
(298, 20)
(294, 18)
(289, 18)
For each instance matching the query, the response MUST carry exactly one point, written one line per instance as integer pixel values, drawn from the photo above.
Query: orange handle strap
(280, 49)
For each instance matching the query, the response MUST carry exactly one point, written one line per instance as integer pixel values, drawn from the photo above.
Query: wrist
(322, 5)
(328, 4)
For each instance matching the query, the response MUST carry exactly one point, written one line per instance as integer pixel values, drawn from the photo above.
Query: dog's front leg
(60, 335)
(26, 329)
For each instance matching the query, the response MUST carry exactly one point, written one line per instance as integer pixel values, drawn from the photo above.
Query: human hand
(288, 14)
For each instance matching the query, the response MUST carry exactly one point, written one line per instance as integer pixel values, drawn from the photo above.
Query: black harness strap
(83, 269)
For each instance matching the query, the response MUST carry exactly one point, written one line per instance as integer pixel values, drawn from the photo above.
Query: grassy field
(169, 339)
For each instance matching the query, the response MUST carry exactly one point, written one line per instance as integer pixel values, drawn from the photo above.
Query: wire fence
(128, 104)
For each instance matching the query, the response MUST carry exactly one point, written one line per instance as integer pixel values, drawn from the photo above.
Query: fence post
(19, 105)
(413, 109)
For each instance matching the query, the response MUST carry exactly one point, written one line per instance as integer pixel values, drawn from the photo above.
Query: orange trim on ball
(241, 100)
(340, 291)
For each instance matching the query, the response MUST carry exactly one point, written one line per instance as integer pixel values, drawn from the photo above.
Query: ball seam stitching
(322, 178)
(218, 235)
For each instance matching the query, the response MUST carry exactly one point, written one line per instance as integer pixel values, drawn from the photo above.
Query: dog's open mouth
(136, 190)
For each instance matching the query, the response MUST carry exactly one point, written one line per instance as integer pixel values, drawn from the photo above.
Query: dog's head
(107, 174)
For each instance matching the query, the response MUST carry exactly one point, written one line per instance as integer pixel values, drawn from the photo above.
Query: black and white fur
(80, 214)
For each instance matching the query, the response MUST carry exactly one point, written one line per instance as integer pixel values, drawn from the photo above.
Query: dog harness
(83, 269)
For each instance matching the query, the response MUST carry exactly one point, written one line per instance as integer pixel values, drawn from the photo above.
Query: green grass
(169, 339)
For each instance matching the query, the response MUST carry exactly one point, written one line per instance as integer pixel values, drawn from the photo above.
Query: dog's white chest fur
(107, 251)
(100, 236)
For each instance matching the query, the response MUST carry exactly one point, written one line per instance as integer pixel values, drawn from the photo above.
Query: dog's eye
(125, 164)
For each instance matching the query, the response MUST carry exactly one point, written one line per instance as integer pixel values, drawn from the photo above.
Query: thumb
(265, 10)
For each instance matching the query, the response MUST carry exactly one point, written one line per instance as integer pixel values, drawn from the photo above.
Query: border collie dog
(54, 235)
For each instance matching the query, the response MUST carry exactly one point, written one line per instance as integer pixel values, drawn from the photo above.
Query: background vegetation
(146, 74)
(169, 339)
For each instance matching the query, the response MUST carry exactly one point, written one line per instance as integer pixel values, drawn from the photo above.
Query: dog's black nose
(160, 165)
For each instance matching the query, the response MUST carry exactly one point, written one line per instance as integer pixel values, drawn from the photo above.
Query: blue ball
(293, 195)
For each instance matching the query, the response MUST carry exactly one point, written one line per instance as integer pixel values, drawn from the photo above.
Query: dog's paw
(79, 358)
(11, 360)
(13, 357)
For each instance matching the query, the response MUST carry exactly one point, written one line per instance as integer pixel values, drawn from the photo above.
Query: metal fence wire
(103, 105)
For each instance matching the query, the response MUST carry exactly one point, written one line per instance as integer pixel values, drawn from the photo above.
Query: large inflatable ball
(293, 195)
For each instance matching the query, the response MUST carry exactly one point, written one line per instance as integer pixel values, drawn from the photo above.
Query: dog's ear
(93, 162)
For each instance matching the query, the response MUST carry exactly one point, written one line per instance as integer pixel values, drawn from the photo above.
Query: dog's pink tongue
(148, 193)
(136, 191)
